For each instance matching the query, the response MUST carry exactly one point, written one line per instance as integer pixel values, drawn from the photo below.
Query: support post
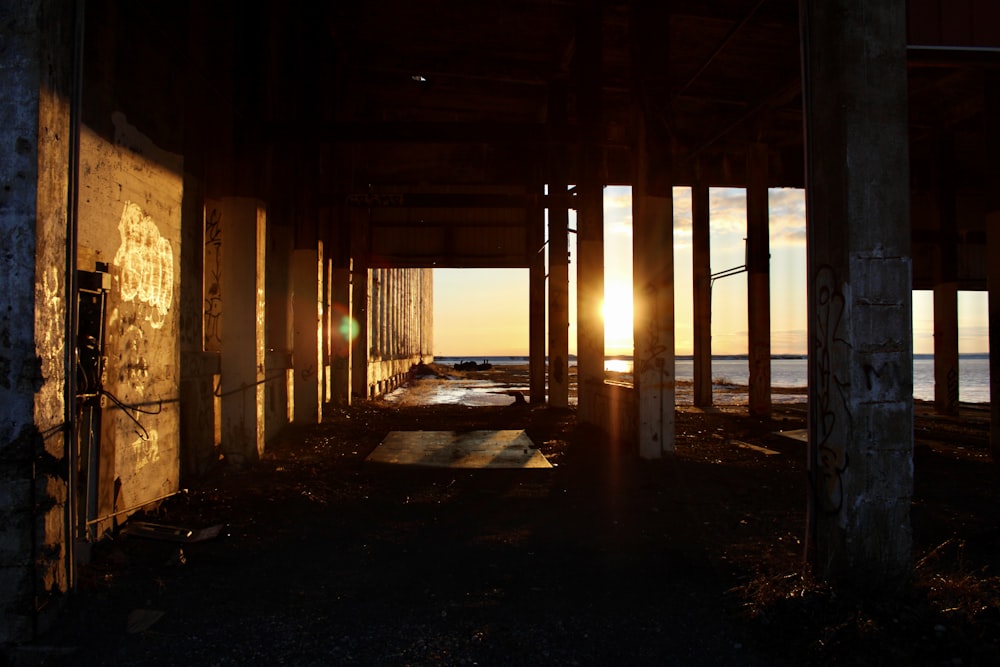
(702, 282)
(558, 371)
(758, 281)
(946, 289)
(859, 309)
(359, 302)
(245, 232)
(307, 350)
(536, 298)
(653, 292)
(946, 348)
(589, 217)
(992, 115)
(38, 424)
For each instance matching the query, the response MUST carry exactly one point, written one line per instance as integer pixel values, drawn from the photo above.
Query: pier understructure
(219, 217)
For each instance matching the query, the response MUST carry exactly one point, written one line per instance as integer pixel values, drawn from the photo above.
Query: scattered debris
(155, 531)
(473, 366)
(140, 620)
(746, 445)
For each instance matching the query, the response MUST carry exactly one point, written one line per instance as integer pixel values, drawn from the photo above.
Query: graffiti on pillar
(831, 407)
(146, 262)
(213, 280)
(654, 348)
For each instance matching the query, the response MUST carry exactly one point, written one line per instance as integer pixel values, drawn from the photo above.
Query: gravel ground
(324, 559)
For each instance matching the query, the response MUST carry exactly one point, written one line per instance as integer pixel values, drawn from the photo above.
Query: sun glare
(617, 313)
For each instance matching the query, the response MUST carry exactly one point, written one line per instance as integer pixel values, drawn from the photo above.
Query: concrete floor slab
(450, 449)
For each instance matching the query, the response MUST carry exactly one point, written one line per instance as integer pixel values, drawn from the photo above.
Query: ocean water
(973, 373)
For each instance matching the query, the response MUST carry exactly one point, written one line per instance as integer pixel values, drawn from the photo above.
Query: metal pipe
(136, 507)
(72, 223)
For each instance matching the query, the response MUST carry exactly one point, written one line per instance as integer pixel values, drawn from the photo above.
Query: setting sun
(617, 313)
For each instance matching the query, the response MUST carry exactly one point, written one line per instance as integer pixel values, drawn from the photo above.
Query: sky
(484, 312)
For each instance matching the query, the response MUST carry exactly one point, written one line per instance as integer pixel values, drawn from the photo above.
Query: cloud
(787, 216)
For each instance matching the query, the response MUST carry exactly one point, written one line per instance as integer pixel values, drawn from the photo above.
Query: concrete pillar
(279, 393)
(36, 391)
(653, 293)
(328, 331)
(992, 115)
(589, 216)
(946, 348)
(758, 281)
(343, 329)
(197, 369)
(590, 297)
(360, 282)
(307, 350)
(558, 375)
(244, 227)
(946, 288)
(536, 298)
(701, 262)
(427, 317)
(859, 307)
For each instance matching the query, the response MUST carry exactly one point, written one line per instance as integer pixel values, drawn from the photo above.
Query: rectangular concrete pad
(450, 449)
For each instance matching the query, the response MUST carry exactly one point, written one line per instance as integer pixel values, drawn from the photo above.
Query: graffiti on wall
(213, 280)
(146, 262)
(832, 407)
(146, 449)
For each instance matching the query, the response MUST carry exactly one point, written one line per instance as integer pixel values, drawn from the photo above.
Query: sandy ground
(324, 559)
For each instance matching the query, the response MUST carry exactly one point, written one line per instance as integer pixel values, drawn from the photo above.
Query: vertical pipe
(72, 225)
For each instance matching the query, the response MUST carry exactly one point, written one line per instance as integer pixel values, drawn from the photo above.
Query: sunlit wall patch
(146, 260)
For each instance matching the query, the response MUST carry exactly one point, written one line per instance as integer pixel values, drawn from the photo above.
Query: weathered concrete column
(992, 115)
(701, 261)
(244, 228)
(653, 293)
(558, 375)
(946, 348)
(307, 350)
(536, 298)
(859, 308)
(36, 397)
(946, 288)
(360, 284)
(327, 330)
(589, 216)
(758, 281)
(343, 329)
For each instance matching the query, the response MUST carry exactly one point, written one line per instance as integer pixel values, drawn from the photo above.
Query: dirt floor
(604, 559)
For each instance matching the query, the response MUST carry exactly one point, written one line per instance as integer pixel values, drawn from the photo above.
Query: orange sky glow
(484, 312)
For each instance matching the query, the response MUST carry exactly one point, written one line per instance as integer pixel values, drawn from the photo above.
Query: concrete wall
(130, 220)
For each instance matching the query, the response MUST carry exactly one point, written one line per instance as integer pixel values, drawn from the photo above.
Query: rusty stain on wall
(146, 261)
